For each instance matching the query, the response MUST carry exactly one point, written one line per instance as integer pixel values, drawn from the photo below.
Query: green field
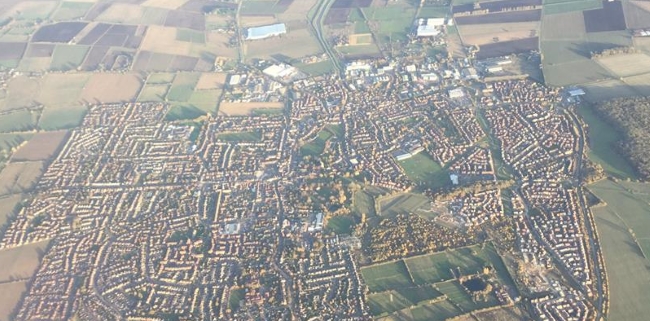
(423, 170)
(260, 8)
(386, 276)
(358, 50)
(316, 69)
(433, 12)
(236, 295)
(68, 57)
(189, 35)
(341, 224)
(183, 112)
(317, 146)
(72, 10)
(161, 78)
(240, 137)
(395, 300)
(562, 6)
(19, 120)
(62, 118)
(602, 140)
(624, 231)
(460, 298)
(405, 203)
(438, 311)
(153, 93)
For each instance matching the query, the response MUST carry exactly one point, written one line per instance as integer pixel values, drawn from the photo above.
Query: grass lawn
(182, 112)
(236, 295)
(438, 311)
(341, 224)
(458, 296)
(624, 229)
(240, 137)
(62, 118)
(68, 57)
(19, 120)
(423, 170)
(317, 146)
(402, 203)
(602, 140)
(386, 276)
(316, 69)
(433, 12)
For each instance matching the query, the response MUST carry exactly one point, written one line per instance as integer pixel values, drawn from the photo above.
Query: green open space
(19, 120)
(183, 112)
(395, 300)
(437, 311)
(253, 136)
(602, 141)
(236, 296)
(623, 224)
(562, 6)
(457, 294)
(160, 78)
(70, 10)
(68, 57)
(433, 12)
(316, 146)
(62, 118)
(402, 204)
(358, 50)
(317, 68)
(386, 276)
(189, 35)
(424, 171)
(341, 224)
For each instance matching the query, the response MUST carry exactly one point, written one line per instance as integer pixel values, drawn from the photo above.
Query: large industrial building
(264, 32)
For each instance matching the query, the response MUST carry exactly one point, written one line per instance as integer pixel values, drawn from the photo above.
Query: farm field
(563, 26)
(637, 14)
(19, 177)
(639, 83)
(18, 120)
(70, 10)
(41, 146)
(425, 171)
(487, 33)
(387, 276)
(111, 88)
(153, 93)
(562, 6)
(7, 205)
(61, 117)
(607, 89)
(626, 65)
(316, 69)
(10, 295)
(20, 93)
(21, 262)
(68, 57)
(283, 45)
(624, 229)
(602, 139)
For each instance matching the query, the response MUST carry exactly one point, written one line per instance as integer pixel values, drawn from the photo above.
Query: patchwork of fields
(427, 287)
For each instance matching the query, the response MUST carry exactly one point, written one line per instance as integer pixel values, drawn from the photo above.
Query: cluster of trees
(614, 52)
(631, 116)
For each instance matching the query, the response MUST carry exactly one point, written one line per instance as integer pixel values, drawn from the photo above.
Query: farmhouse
(264, 32)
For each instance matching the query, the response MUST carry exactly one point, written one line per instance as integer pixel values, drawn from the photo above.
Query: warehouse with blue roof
(263, 32)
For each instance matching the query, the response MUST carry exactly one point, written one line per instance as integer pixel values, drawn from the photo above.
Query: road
(317, 23)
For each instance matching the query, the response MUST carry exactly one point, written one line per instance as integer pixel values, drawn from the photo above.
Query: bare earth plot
(111, 88)
(21, 91)
(640, 84)
(637, 14)
(10, 294)
(239, 109)
(41, 147)
(19, 177)
(21, 262)
(626, 65)
(211, 81)
(165, 4)
(284, 45)
(486, 33)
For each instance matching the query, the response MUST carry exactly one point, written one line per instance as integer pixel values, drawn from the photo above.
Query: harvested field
(189, 35)
(640, 84)
(161, 78)
(184, 19)
(217, 43)
(637, 14)
(183, 63)
(626, 65)
(19, 178)
(8, 205)
(61, 89)
(12, 50)
(607, 89)
(10, 295)
(40, 50)
(316, 69)
(491, 33)
(360, 39)
(163, 40)
(61, 32)
(94, 34)
(284, 45)
(609, 18)
(501, 17)
(563, 26)
(239, 109)
(165, 4)
(21, 262)
(337, 16)
(211, 81)
(508, 47)
(256, 21)
(132, 14)
(42, 146)
(21, 91)
(111, 88)
(68, 57)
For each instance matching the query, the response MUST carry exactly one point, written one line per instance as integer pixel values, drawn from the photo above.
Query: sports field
(423, 170)
(624, 231)
(387, 276)
(405, 203)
